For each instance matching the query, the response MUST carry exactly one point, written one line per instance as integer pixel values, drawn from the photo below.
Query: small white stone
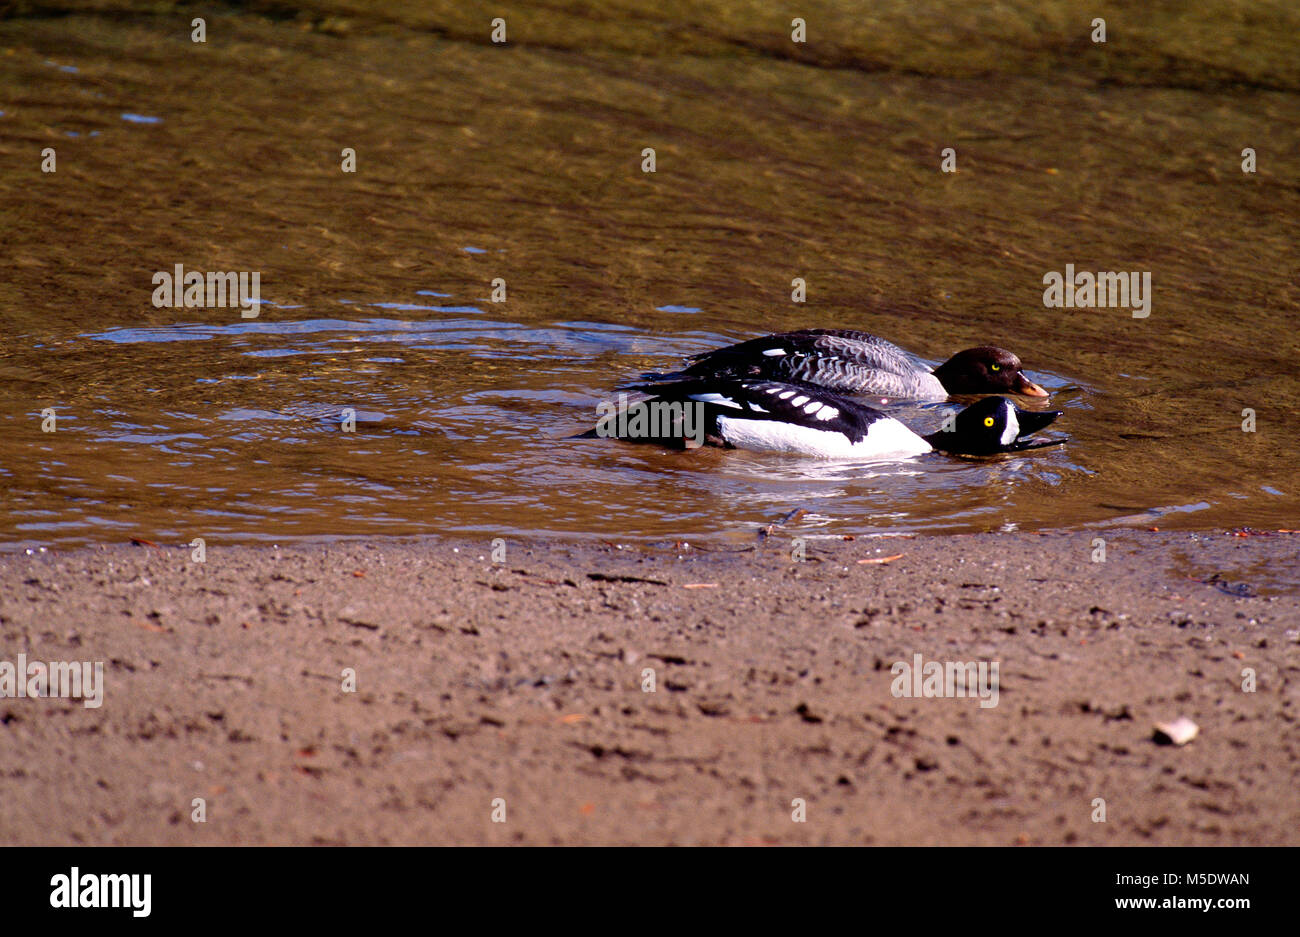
(1178, 732)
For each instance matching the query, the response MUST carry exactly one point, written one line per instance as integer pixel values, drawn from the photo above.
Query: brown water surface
(523, 161)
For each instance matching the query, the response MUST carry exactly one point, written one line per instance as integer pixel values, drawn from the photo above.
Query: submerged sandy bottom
(775, 160)
(772, 682)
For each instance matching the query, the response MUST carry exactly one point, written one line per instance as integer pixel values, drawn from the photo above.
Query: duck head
(986, 370)
(990, 426)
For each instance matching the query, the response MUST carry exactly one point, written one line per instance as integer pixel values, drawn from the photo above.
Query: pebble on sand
(1179, 732)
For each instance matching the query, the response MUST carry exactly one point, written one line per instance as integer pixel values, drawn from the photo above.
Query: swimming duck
(773, 416)
(852, 362)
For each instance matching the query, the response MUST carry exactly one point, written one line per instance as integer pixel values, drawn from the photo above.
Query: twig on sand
(883, 559)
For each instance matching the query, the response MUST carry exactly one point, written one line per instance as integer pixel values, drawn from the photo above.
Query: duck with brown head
(984, 370)
(850, 362)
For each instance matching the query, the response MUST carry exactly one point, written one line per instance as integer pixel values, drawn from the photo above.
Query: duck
(800, 419)
(851, 362)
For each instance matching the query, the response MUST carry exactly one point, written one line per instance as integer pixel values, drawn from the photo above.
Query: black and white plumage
(850, 362)
(773, 416)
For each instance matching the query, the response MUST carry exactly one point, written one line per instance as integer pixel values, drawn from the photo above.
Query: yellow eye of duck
(996, 367)
(988, 421)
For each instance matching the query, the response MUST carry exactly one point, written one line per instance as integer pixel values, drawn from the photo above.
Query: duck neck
(941, 441)
(946, 375)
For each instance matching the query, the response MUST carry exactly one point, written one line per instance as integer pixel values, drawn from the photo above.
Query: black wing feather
(771, 400)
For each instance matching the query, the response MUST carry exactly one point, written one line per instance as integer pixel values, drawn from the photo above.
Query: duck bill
(1027, 387)
(1031, 421)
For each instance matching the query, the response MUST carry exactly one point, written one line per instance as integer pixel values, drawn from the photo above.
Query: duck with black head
(798, 419)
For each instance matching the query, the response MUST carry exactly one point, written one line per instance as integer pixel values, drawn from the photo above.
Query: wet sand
(523, 680)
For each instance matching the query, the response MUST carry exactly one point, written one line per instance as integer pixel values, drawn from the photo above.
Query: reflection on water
(381, 390)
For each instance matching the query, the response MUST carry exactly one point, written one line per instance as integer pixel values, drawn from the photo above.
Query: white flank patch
(771, 352)
(886, 439)
(1013, 425)
(718, 399)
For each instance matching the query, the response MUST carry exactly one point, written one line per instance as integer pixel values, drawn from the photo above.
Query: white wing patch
(774, 352)
(827, 412)
(786, 395)
(799, 401)
(812, 407)
(718, 399)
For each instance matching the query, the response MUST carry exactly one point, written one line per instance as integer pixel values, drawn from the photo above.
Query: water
(524, 163)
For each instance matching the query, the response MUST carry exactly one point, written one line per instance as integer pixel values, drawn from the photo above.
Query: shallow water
(523, 162)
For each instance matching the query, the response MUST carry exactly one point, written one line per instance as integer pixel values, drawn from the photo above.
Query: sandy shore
(523, 680)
